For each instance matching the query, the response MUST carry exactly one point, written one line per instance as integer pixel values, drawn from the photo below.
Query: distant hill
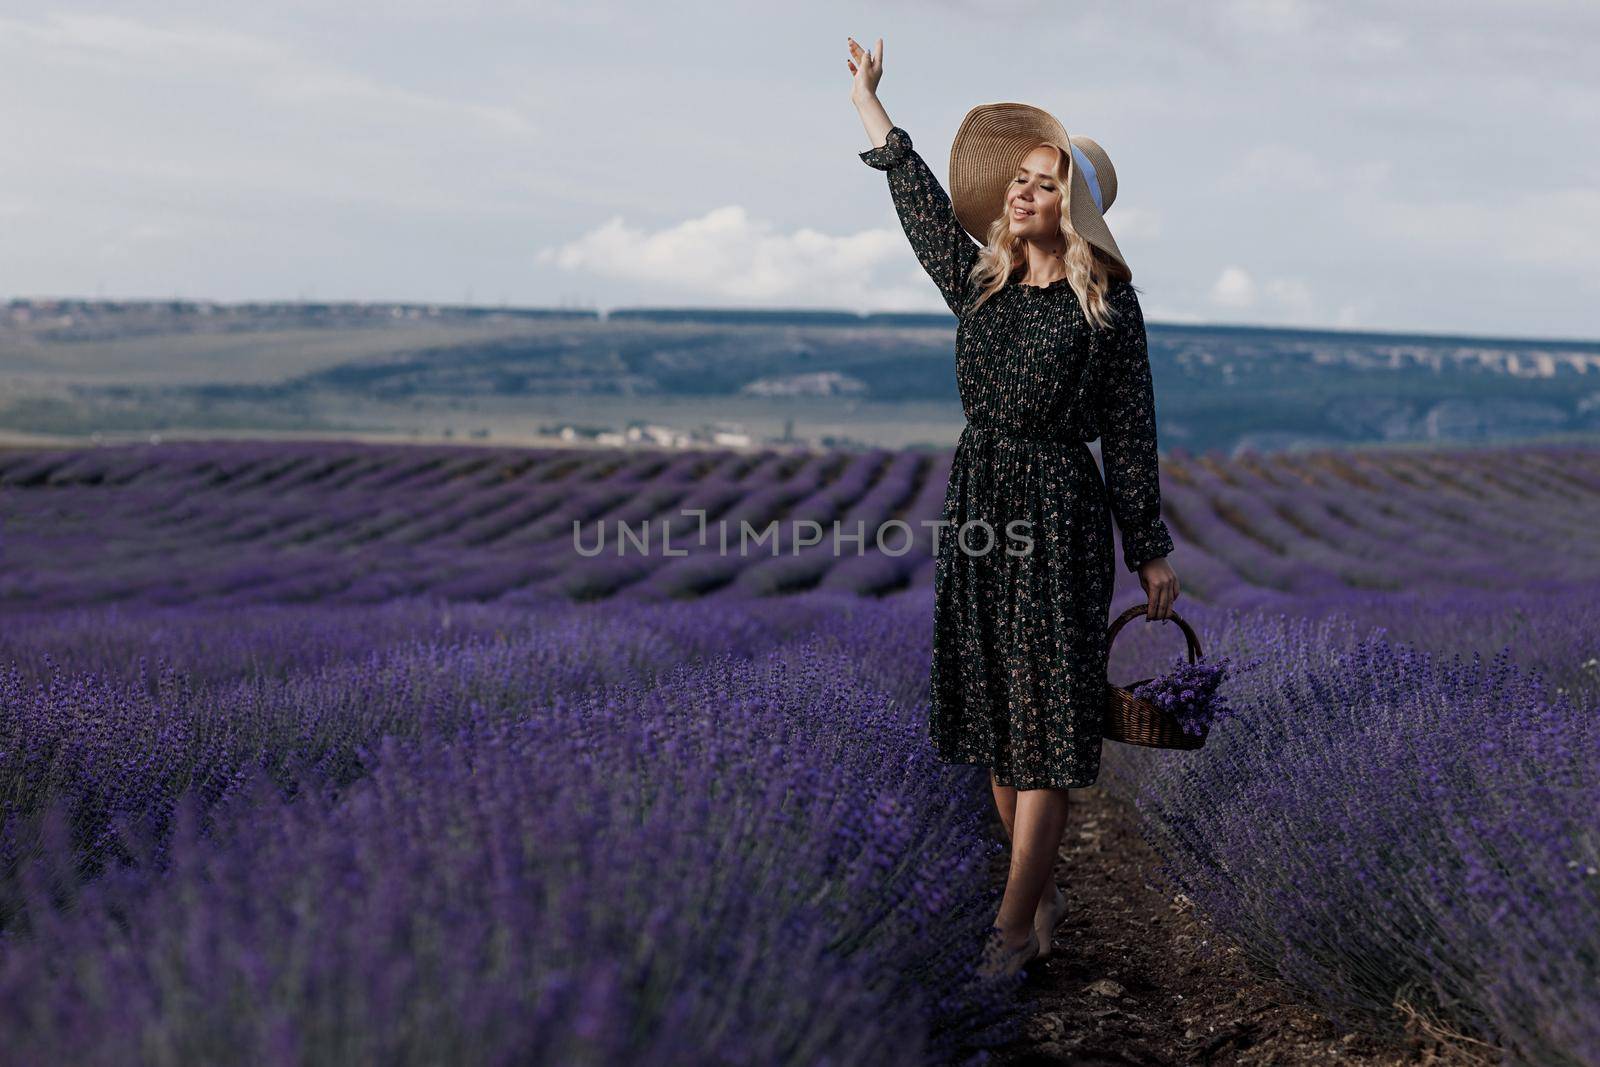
(73, 366)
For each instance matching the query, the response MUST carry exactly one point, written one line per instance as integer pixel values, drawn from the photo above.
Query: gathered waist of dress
(1020, 438)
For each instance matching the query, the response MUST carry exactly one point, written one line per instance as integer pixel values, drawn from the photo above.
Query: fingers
(1162, 594)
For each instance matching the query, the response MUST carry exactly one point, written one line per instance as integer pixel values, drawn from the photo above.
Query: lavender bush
(712, 868)
(103, 749)
(1448, 802)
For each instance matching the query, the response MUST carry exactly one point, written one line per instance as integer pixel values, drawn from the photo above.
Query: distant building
(655, 434)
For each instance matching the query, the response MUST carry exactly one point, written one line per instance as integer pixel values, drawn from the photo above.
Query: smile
(1020, 213)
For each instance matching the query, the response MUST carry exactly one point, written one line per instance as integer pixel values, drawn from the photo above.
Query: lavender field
(330, 753)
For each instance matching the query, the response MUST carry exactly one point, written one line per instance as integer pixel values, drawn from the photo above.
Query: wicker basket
(1136, 721)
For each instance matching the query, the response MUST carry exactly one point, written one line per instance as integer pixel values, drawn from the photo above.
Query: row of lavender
(425, 832)
(351, 523)
(355, 523)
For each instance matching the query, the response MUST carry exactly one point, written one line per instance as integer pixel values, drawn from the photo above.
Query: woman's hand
(867, 68)
(1160, 583)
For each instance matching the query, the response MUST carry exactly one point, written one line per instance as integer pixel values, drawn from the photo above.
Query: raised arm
(943, 248)
(1127, 416)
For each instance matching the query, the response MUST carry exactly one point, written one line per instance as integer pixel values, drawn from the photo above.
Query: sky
(1421, 167)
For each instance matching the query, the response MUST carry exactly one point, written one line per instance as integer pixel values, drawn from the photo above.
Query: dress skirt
(1019, 652)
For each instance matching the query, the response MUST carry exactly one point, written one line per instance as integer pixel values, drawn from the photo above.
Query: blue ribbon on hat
(1088, 173)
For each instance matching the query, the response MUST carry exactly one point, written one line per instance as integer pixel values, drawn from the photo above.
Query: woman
(1050, 354)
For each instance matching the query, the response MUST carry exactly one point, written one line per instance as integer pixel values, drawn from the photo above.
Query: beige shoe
(999, 962)
(1044, 927)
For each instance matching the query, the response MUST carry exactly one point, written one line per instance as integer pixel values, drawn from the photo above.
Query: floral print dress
(1018, 678)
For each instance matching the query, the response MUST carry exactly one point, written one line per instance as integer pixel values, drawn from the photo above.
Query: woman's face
(1033, 201)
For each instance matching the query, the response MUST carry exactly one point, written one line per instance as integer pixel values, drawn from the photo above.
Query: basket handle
(1137, 610)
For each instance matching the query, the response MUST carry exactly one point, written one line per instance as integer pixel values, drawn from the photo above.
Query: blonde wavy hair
(1090, 271)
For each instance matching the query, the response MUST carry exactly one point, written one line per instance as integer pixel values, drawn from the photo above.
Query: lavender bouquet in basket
(1190, 692)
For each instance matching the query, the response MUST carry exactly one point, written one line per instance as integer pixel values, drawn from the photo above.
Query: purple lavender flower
(1191, 692)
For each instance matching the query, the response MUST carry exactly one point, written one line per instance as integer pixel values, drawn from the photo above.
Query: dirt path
(1133, 982)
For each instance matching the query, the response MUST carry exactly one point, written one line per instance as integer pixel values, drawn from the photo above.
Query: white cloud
(1140, 223)
(1287, 300)
(726, 254)
(1233, 289)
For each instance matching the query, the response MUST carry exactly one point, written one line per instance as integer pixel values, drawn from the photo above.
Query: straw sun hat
(989, 147)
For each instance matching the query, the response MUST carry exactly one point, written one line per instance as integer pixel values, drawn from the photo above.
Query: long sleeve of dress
(1127, 416)
(943, 248)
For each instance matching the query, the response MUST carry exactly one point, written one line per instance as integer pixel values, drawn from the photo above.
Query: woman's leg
(1040, 820)
(1005, 801)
